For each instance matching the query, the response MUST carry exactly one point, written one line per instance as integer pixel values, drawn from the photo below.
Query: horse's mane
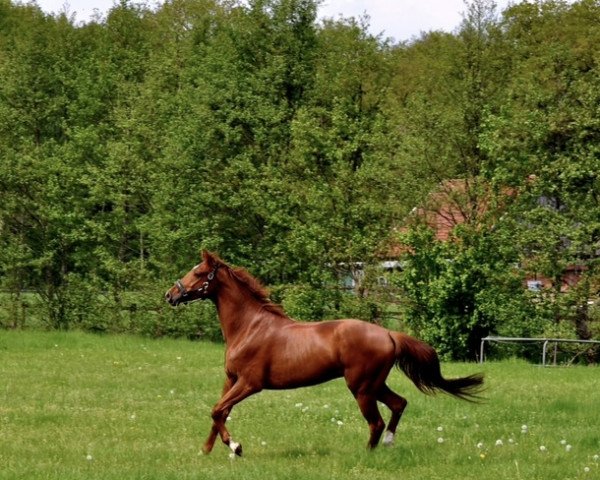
(254, 287)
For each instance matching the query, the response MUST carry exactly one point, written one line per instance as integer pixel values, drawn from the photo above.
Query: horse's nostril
(168, 296)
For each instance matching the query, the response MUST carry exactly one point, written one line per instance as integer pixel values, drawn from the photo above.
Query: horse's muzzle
(173, 299)
(177, 294)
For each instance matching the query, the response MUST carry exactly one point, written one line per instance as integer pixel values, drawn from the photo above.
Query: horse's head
(198, 284)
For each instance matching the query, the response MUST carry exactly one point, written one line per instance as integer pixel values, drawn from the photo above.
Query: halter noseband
(203, 289)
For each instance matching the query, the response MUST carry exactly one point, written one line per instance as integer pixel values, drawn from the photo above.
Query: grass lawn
(80, 406)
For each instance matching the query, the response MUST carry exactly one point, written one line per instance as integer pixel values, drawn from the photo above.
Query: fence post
(481, 350)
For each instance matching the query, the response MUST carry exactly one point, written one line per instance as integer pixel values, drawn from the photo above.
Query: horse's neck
(238, 312)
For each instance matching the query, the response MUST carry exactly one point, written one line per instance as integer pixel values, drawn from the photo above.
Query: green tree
(449, 83)
(543, 143)
(41, 212)
(346, 190)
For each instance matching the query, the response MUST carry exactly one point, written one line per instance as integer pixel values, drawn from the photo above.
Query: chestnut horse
(265, 349)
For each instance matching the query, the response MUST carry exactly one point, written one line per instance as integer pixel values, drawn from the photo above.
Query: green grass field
(79, 406)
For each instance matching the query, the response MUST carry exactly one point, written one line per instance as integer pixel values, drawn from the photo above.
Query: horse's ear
(208, 258)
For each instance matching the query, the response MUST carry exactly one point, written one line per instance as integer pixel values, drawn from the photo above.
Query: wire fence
(548, 357)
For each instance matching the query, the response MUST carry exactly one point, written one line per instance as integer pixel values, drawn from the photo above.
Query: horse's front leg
(238, 392)
(214, 431)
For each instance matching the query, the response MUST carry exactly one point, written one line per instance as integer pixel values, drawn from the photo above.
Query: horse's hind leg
(396, 404)
(368, 406)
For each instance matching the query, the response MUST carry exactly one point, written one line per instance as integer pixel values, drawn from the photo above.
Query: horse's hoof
(205, 450)
(238, 450)
(388, 439)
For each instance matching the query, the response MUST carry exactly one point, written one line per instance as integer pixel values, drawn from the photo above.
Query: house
(457, 202)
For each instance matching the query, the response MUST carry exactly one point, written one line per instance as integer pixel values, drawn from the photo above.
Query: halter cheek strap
(203, 289)
(182, 290)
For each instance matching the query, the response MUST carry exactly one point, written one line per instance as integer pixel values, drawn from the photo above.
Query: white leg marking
(233, 446)
(388, 438)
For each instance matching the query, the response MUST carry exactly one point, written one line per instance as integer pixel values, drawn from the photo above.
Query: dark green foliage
(297, 150)
(309, 303)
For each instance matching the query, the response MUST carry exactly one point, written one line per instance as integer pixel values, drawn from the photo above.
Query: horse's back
(343, 334)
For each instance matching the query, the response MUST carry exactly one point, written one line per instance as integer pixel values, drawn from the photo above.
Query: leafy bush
(195, 322)
(309, 303)
(452, 290)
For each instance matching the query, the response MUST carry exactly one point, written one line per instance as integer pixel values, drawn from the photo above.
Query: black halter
(203, 289)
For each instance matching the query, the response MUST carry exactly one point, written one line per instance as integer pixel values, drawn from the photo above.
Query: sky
(398, 19)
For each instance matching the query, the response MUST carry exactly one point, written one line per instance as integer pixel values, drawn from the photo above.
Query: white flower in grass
(586, 469)
(89, 458)
(499, 443)
(524, 429)
(543, 448)
(440, 429)
(480, 445)
(568, 447)
(298, 405)
(563, 442)
(596, 458)
(339, 423)
(440, 440)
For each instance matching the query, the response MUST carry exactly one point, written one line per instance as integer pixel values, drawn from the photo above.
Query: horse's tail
(419, 361)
